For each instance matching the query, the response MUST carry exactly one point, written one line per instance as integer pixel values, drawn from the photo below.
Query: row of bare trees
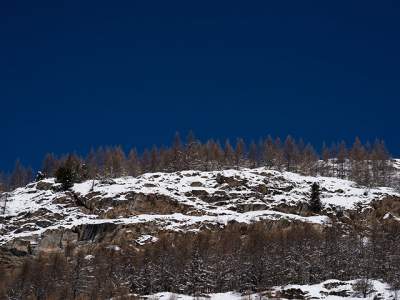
(229, 260)
(20, 176)
(368, 164)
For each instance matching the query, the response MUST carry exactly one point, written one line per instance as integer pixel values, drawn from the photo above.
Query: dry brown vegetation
(241, 258)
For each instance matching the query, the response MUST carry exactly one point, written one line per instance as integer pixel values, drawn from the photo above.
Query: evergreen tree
(65, 175)
(315, 201)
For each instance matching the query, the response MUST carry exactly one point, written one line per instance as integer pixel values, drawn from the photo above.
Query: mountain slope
(248, 229)
(182, 201)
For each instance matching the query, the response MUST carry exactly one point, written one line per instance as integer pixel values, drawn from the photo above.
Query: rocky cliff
(39, 218)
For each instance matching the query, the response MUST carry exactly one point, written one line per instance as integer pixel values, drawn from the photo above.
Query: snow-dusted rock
(47, 218)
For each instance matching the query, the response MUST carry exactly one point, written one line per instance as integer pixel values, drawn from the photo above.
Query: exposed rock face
(95, 232)
(44, 186)
(40, 218)
(389, 204)
(11, 259)
(21, 247)
(230, 181)
(56, 240)
(302, 209)
(133, 204)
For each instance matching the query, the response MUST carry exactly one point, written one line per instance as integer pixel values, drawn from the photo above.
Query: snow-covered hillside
(187, 201)
(125, 217)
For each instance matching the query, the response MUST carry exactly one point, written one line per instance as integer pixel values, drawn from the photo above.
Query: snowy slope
(211, 198)
(328, 290)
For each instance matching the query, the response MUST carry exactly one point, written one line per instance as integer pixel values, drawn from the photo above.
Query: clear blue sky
(75, 74)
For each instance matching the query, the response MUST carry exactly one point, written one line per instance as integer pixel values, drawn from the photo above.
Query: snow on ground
(28, 198)
(338, 192)
(146, 238)
(327, 290)
(217, 296)
(322, 290)
(281, 188)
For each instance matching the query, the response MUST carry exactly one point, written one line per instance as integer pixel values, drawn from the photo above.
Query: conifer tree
(315, 201)
(65, 175)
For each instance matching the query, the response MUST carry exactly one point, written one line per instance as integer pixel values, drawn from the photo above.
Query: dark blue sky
(79, 73)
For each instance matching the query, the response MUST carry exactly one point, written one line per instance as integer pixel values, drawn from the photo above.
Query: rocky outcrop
(132, 204)
(44, 185)
(119, 211)
(231, 182)
(95, 232)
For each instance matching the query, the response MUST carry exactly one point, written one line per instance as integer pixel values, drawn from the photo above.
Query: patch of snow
(323, 290)
(114, 247)
(145, 239)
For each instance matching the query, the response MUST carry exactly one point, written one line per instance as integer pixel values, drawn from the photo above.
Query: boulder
(262, 189)
(44, 186)
(230, 181)
(149, 185)
(20, 247)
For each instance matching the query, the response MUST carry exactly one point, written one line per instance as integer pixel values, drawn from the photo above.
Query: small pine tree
(66, 177)
(315, 201)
